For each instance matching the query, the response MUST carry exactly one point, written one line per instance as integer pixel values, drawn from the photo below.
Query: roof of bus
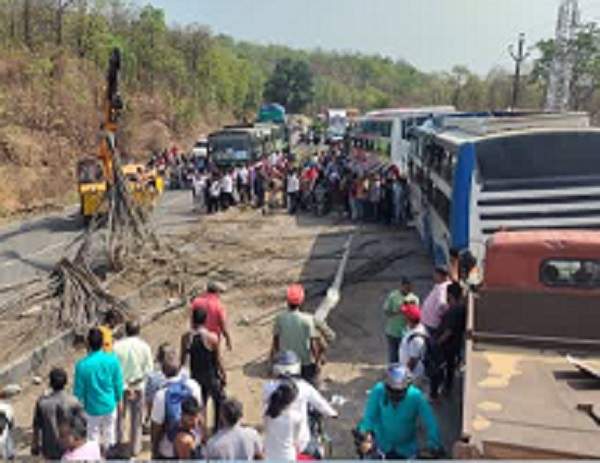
(474, 127)
(408, 112)
(513, 258)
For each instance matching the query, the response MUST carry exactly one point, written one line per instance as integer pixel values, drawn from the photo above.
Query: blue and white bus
(472, 175)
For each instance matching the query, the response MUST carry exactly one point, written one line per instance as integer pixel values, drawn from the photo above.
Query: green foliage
(195, 72)
(291, 84)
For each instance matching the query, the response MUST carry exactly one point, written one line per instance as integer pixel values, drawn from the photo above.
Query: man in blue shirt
(391, 414)
(99, 388)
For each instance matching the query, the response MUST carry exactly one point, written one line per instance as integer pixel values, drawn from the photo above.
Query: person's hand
(366, 445)
(228, 344)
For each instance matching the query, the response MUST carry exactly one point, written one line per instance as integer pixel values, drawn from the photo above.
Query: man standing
(244, 184)
(107, 328)
(293, 191)
(435, 304)
(395, 324)
(295, 331)
(135, 357)
(99, 388)
(49, 408)
(451, 336)
(234, 442)
(413, 347)
(166, 408)
(206, 365)
(226, 191)
(216, 314)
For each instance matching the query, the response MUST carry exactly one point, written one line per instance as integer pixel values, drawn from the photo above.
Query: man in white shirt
(162, 442)
(214, 194)
(293, 191)
(413, 347)
(135, 357)
(244, 184)
(287, 365)
(435, 304)
(226, 191)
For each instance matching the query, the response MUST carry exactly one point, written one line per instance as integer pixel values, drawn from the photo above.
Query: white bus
(384, 132)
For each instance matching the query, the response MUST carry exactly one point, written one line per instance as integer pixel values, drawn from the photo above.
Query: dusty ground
(259, 256)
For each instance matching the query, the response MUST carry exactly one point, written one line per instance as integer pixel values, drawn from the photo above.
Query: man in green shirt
(395, 323)
(99, 387)
(295, 331)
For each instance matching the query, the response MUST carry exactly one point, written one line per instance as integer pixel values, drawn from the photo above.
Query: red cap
(295, 294)
(412, 312)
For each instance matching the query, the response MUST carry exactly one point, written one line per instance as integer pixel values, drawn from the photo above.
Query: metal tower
(561, 72)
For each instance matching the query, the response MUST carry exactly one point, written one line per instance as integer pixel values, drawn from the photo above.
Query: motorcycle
(374, 453)
(320, 445)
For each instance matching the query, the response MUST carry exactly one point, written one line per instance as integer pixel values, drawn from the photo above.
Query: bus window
(570, 273)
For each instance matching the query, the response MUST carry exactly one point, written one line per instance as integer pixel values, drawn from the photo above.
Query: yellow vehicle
(91, 186)
(145, 186)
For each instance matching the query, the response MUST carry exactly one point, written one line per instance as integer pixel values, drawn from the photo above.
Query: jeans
(133, 412)
(393, 349)
(292, 202)
(214, 390)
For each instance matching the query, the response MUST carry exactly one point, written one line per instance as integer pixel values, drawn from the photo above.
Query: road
(32, 247)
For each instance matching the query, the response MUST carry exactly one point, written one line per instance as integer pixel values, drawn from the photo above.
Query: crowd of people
(328, 181)
(120, 386)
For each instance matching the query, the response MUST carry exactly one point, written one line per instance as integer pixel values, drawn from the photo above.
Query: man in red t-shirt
(216, 315)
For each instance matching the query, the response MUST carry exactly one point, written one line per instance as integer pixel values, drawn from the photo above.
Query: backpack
(175, 394)
(431, 358)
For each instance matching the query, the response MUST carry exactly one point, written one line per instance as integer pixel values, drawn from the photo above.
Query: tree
(291, 84)
(61, 8)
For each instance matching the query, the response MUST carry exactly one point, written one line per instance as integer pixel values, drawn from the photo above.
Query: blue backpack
(175, 394)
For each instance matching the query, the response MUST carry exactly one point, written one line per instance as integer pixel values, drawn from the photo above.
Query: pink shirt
(434, 305)
(215, 312)
(90, 451)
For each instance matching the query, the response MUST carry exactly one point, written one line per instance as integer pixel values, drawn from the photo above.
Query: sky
(433, 35)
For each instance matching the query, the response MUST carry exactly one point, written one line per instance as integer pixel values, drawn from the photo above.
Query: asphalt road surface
(32, 247)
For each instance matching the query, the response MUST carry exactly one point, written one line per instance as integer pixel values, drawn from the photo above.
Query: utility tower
(519, 57)
(561, 72)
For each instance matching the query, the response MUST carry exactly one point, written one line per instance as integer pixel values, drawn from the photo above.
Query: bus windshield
(539, 156)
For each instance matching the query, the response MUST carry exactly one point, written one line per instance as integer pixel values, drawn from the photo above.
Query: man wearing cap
(413, 347)
(393, 409)
(395, 324)
(436, 303)
(216, 315)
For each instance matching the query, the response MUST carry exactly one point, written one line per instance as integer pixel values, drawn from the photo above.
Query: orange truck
(531, 387)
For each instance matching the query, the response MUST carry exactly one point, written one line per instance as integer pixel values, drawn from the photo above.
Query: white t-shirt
(293, 184)
(282, 436)
(243, 176)
(215, 189)
(227, 184)
(413, 346)
(165, 447)
(307, 395)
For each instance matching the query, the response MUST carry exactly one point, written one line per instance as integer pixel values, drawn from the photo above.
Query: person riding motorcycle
(392, 412)
(309, 403)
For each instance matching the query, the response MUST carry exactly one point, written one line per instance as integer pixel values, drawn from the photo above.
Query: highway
(31, 247)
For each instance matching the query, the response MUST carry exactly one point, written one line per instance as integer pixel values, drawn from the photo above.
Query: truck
(533, 348)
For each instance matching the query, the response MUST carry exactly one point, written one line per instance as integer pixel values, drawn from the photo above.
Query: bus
(472, 175)
(235, 145)
(384, 133)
